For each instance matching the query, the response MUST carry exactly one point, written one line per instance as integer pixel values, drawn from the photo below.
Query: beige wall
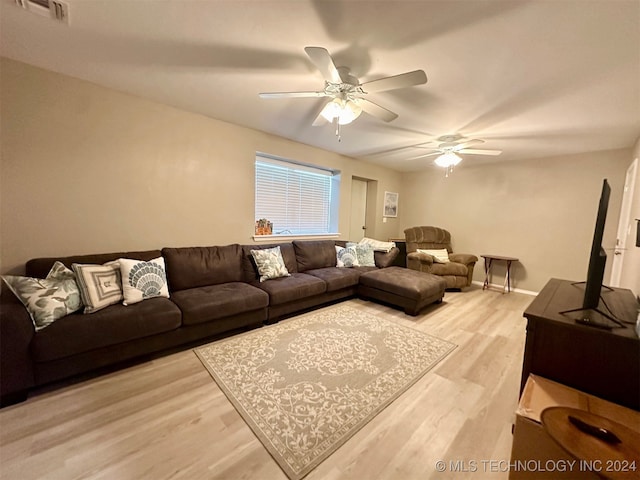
(541, 211)
(86, 169)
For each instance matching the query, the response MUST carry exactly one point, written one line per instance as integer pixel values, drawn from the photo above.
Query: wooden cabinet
(604, 363)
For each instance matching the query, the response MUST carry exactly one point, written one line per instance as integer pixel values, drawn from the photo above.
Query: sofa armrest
(419, 261)
(464, 258)
(386, 259)
(16, 333)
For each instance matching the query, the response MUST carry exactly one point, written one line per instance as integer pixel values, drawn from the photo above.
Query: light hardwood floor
(168, 419)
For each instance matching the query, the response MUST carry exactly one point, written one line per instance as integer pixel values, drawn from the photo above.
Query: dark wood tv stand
(604, 363)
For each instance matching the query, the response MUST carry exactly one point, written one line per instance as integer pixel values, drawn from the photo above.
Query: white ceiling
(531, 78)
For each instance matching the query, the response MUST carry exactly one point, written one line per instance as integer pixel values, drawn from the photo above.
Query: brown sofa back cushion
(312, 254)
(249, 268)
(39, 267)
(192, 267)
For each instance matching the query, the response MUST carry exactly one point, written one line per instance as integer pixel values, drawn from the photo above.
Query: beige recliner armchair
(458, 271)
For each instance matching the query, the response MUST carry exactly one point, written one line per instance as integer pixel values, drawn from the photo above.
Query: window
(297, 199)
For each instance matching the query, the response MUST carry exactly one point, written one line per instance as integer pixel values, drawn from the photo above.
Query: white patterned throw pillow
(100, 285)
(142, 280)
(47, 299)
(440, 255)
(270, 263)
(346, 257)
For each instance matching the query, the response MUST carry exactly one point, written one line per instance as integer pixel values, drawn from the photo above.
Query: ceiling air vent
(47, 8)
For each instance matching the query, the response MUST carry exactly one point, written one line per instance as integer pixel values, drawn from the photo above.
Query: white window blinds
(295, 198)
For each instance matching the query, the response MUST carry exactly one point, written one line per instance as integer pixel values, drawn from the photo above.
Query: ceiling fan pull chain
(448, 171)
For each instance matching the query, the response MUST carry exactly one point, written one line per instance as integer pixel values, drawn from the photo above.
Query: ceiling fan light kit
(347, 93)
(449, 149)
(448, 159)
(344, 111)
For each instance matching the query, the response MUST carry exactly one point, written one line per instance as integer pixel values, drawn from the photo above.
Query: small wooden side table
(488, 261)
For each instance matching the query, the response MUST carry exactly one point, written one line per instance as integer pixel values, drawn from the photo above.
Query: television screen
(591, 314)
(598, 257)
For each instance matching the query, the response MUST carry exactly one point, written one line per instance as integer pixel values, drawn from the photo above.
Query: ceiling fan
(347, 93)
(450, 147)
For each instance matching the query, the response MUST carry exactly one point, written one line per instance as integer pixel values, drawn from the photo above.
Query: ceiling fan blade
(376, 110)
(323, 62)
(424, 145)
(438, 152)
(291, 94)
(403, 80)
(319, 121)
(473, 151)
(462, 145)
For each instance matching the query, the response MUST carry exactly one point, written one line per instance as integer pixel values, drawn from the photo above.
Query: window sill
(311, 236)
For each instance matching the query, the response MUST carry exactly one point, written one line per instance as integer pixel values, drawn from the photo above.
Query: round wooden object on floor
(615, 460)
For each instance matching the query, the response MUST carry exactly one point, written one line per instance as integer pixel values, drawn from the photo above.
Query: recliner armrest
(464, 258)
(418, 261)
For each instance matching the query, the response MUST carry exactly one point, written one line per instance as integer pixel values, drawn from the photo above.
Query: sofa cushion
(449, 268)
(288, 289)
(192, 267)
(312, 254)
(406, 283)
(204, 304)
(116, 324)
(337, 278)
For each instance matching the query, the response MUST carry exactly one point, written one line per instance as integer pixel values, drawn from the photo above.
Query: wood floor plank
(167, 419)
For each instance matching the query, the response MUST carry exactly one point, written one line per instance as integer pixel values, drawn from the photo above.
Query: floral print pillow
(270, 263)
(48, 299)
(365, 254)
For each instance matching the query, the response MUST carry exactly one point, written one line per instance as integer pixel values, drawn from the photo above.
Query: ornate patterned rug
(307, 384)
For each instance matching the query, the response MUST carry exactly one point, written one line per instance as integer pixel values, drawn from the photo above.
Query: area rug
(307, 384)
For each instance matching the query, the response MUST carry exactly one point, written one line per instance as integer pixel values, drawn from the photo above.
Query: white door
(624, 225)
(358, 210)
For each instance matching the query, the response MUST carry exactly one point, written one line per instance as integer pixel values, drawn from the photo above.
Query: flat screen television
(590, 313)
(598, 257)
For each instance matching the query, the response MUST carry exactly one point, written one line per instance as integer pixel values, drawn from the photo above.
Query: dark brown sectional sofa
(213, 291)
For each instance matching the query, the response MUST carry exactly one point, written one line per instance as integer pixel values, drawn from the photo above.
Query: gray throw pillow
(270, 263)
(365, 254)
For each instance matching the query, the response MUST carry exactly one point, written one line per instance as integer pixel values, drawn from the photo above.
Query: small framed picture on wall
(390, 204)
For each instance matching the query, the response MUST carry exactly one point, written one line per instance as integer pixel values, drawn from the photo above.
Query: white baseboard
(495, 286)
